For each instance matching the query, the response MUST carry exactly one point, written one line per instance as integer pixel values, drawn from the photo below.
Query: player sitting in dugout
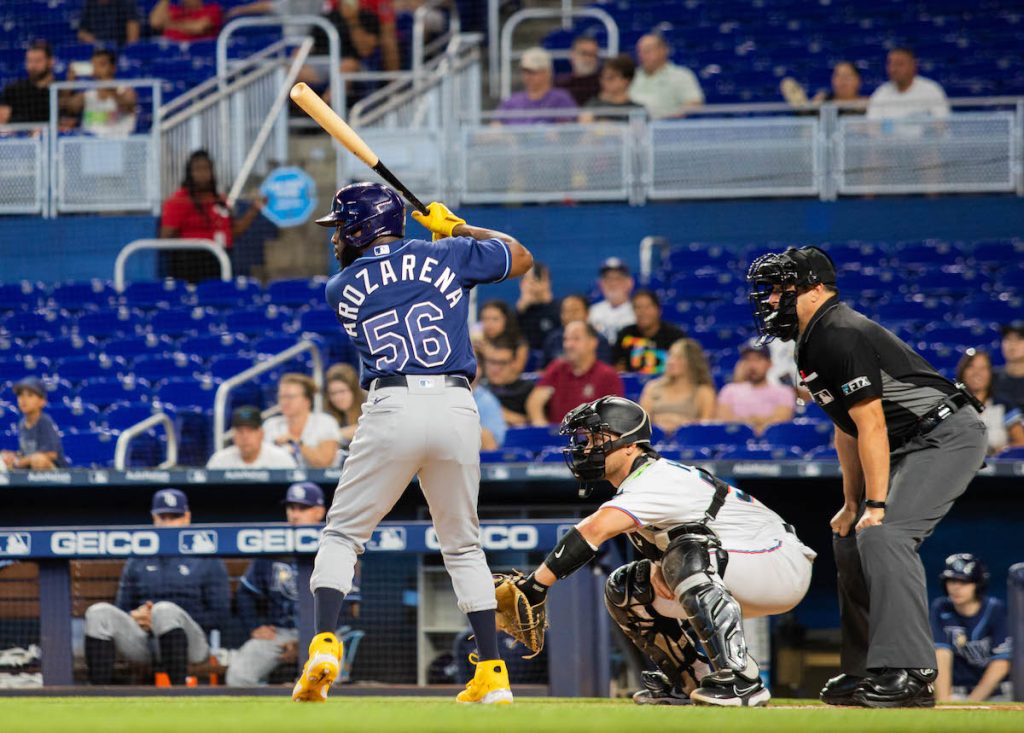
(691, 528)
(972, 639)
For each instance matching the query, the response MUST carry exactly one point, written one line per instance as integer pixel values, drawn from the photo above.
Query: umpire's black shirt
(845, 358)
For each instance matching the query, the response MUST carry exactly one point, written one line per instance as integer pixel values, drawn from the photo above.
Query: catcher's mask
(787, 274)
(614, 416)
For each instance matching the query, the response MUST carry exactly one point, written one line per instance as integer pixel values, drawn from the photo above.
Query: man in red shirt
(576, 378)
(192, 20)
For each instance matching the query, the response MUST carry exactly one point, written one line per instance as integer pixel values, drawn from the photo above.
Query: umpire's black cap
(813, 265)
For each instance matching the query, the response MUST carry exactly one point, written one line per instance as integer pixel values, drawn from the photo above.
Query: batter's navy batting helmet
(965, 567)
(611, 416)
(365, 211)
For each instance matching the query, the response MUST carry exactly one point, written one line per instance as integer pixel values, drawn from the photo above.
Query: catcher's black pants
(883, 598)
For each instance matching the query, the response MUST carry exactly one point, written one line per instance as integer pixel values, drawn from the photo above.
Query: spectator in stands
(1008, 382)
(505, 381)
(685, 394)
(311, 437)
(975, 371)
(198, 210)
(845, 90)
(665, 89)
(536, 308)
(267, 599)
(751, 398)
(615, 311)
(390, 57)
(497, 320)
(643, 347)
(249, 449)
(972, 635)
(574, 307)
(583, 81)
(344, 399)
(28, 100)
(191, 20)
(175, 601)
(616, 76)
(109, 21)
(539, 92)
(906, 94)
(39, 443)
(109, 112)
(358, 31)
(492, 420)
(575, 378)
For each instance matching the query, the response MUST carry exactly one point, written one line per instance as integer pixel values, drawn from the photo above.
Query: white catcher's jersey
(661, 495)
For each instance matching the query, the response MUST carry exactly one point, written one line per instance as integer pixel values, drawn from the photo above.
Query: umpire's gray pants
(883, 598)
(424, 429)
(108, 622)
(257, 658)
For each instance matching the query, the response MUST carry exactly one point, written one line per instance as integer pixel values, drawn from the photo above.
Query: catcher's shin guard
(628, 596)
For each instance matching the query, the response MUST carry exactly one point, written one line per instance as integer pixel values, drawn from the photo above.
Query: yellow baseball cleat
(320, 670)
(489, 686)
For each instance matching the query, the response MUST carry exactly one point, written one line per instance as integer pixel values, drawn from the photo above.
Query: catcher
(713, 554)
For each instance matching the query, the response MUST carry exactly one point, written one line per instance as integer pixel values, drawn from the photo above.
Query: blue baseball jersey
(198, 584)
(404, 304)
(974, 641)
(268, 594)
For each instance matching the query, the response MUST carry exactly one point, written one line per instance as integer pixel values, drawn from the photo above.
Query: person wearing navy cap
(39, 443)
(267, 599)
(165, 606)
(615, 311)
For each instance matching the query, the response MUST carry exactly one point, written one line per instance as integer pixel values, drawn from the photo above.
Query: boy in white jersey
(712, 555)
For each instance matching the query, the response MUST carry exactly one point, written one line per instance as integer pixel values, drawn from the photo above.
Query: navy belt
(401, 380)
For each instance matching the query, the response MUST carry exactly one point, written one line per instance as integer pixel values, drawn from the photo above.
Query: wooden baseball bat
(337, 128)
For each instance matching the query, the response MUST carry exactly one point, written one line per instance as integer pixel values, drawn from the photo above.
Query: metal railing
(205, 245)
(90, 173)
(24, 172)
(130, 433)
(220, 400)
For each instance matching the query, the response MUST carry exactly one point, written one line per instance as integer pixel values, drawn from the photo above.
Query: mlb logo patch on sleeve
(855, 384)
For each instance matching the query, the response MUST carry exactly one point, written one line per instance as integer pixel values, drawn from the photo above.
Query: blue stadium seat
(506, 455)
(1011, 454)
(992, 310)
(8, 439)
(93, 449)
(106, 391)
(230, 294)
(270, 345)
(211, 344)
(152, 295)
(132, 347)
(32, 324)
(713, 434)
(80, 295)
(63, 346)
(195, 434)
(685, 454)
(824, 453)
(183, 392)
(803, 434)
(995, 254)
(77, 369)
(296, 293)
(14, 369)
(77, 417)
(58, 391)
(123, 415)
(257, 321)
(154, 368)
(228, 365)
(23, 295)
(759, 453)
(532, 438)
(119, 322)
(10, 347)
(551, 454)
(178, 322)
(633, 384)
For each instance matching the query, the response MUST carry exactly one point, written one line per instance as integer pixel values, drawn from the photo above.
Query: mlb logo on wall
(197, 541)
(15, 544)
(387, 538)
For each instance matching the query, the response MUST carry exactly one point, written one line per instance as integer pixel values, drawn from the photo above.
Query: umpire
(909, 441)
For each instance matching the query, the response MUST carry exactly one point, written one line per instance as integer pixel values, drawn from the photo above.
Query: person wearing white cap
(539, 92)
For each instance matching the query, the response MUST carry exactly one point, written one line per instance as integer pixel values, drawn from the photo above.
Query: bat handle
(382, 170)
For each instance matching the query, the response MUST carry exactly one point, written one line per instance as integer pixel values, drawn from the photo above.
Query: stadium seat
(759, 453)
(1011, 454)
(77, 369)
(227, 366)
(14, 368)
(153, 295)
(184, 392)
(228, 294)
(63, 346)
(257, 321)
(272, 345)
(93, 449)
(165, 366)
(713, 434)
(824, 453)
(532, 438)
(685, 454)
(32, 324)
(803, 434)
(119, 322)
(296, 293)
(551, 455)
(81, 295)
(106, 391)
(211, 344)
(506, 455)
(178, 322)
(23, 295)
(123, 415)
(75, 417)
(132, 347)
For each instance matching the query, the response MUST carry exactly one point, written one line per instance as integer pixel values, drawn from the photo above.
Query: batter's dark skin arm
(522, 260)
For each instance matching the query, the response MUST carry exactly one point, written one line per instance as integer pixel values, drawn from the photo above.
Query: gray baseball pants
(424, 429)
(257, 658)
(108, 622)
(883, 597)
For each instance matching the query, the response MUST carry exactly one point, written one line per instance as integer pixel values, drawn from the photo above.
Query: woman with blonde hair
(685, 393)
(343, 399)
(310, 436)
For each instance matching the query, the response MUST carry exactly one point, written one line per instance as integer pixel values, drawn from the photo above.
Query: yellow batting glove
(439, 219)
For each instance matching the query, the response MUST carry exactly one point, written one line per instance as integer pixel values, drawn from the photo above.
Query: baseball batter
(404, 304)
(711, 553)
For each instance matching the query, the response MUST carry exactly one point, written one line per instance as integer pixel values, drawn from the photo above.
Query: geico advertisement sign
(105, 542)
(497, 537)
(284, 539)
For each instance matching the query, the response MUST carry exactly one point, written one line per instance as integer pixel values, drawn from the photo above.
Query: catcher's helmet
(608, 415)
(788, 272)
(365, 211)
(965, 567)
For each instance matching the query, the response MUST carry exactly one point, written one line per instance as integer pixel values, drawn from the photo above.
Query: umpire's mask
(786, 274)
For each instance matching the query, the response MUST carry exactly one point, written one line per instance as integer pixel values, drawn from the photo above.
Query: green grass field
(426, 715)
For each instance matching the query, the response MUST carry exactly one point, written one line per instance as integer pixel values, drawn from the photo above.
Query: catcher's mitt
(515, 616)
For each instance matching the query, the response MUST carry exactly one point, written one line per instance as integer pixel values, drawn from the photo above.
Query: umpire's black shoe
(898, 688)
(728, 689)
(839, 690)
(659, 690)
